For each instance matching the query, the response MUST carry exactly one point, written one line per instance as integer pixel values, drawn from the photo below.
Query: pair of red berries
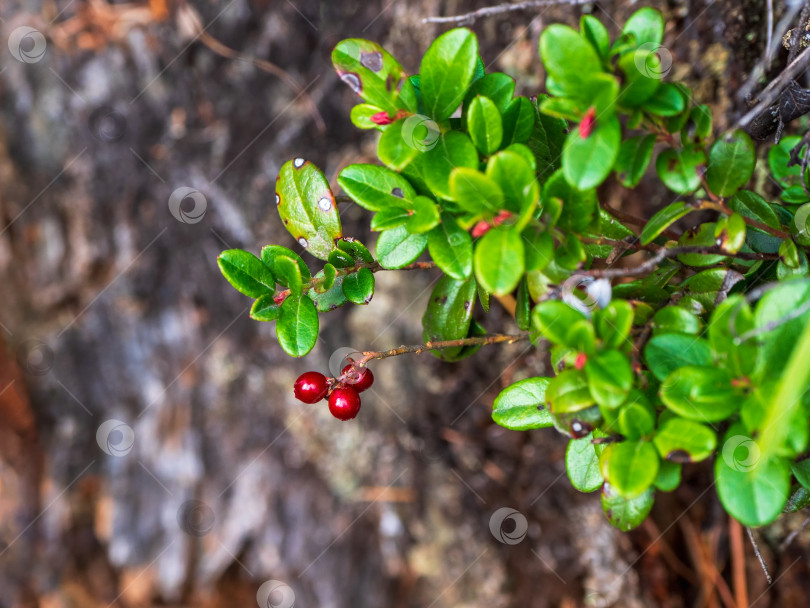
(344, 398)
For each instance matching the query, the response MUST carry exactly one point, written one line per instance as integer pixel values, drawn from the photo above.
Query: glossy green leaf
(521, 406)
(729, 322)
(330, 299)
(246, 273)
(780, 319)
(614, 322)
(568, 392)
(699, 393)
(297, 325)
(356, 249)
(523, 306)
(553, 318)
(447, 71)
(518, 121)
(568, 59)
(731, 163)
(265, 309)
(376, 188)
(682, 440)
(636, 420)
(474, 191)
(630, 467)
(633, 159)
(674, 319)
(730, 232)
(398, 247)
(582, 465)
(516, 180)
(578, 207)
(669, 476)
(667, 99)
(678, 169)
(340, 259)
(588, 161)
(307, 207)
(288, 273)
(394, 149)
(546, 142)
(361, 116)
(594, 32)
(610, 378)
(498, 260)
(646, 25)
(271, 252)
(358, 287)
(448, 314)
(390, 218)
(663, 219)
(626, 513)
(497, 86)
(329, 276)
(453, 149)
(424, 216)
(371, 72)
(451, 248)
(752, 205)
(642, 76)
(702, 236)
(485, 125)
(539, 248)
(665, 353)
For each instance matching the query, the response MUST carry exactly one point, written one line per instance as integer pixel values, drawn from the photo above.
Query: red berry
(344, 403)
(311, 387)
(360, 379)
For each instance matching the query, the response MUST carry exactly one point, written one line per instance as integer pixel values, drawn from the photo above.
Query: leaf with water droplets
(307, 207)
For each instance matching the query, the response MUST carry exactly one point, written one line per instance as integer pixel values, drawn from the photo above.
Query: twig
(663, 253)
(792, 536)
(737, 562)
(759, 556)
(719, 205)
(772, 91)
(489, 11)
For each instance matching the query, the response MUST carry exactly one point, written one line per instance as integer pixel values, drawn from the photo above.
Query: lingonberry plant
(667, 347)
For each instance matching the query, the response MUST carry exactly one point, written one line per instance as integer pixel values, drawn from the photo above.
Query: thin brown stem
(489, 11)
(719, 205)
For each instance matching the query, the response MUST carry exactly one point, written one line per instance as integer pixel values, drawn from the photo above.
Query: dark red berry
(360, 379)
(311, 387)
(344, 403)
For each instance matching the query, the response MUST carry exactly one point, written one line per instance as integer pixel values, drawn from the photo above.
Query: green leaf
(754, 489)
(614, 322)
(499, 259)
(361, 116)
(474, 191)
(340, 259)
(582, 465)
(307, 207)
(633, 159)
(630, 467)
(332, 298)
(297, 326)
(453, 149)
(731, 163)
(730, 232)
(646, 25)
(356, 249)
(272, 252)
(730, 320)
(801, 471)
(610, 378)
(265, 309)
(674, 319)
(594, 32)
(518, 121)
(669, 476)
(636, 420)
(513, 175)
(752, 205)
(425, 215)
(703, 236)
(553, 318)
(678, 169)
(376, 188)
(665, 353)
(398, 247)
(587, 162)
(642, 70)
(681, 440)
(523, 304)
(626, 513)
(578, 207)
(539, 247)
(485, 125)
(394, 149)
(521, 406)
(663, 219)
(777, 311)
(329, 276)
(698, 393)
(246, 273)
(358, 287)
(546, 142)
(371, 72)
(451, 248)
(288, 272)
(569, 59)
(447, 71)
(390, 218)
(568, 392)
(448, 314)
(705, 287)
(498, 87)
(667, 99)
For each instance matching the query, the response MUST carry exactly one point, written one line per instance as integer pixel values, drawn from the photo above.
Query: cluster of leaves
(652, 373)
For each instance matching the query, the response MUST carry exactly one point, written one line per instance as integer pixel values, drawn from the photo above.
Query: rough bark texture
(112, 309)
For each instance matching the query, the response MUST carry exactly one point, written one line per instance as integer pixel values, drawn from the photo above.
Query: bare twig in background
(769, 40)
(489, 11)
(792, 536)
(759, 556)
